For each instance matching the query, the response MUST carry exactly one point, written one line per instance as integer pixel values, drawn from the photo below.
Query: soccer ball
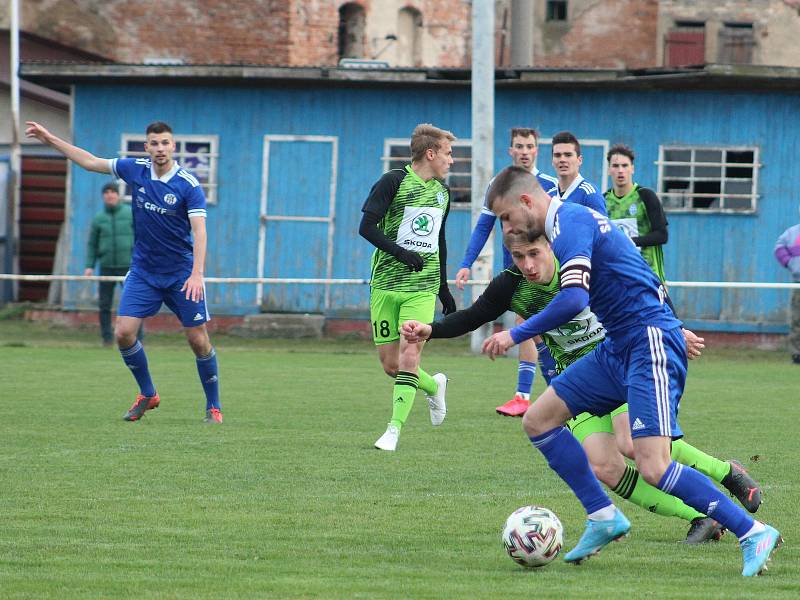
(533, 536)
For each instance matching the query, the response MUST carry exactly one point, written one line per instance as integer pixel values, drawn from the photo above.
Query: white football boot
(436, 402)
(388, 441)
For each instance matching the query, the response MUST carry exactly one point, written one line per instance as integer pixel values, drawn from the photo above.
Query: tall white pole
(482, 138)
(12, 224)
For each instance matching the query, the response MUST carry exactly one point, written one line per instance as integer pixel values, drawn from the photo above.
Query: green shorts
(388, 310)
(585, 424)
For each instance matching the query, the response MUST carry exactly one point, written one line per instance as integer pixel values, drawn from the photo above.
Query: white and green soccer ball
(533, 536)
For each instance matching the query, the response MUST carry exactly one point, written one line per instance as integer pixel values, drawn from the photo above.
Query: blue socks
(546, 363)
(566, 457)
(209, 377)
(525, 375)
(696, 490)
(136, 361)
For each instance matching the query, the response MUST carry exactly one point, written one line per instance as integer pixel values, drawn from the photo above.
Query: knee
(200, 347)
(532, 423)
(124, 339)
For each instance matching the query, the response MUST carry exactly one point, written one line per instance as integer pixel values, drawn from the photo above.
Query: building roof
(62, 74)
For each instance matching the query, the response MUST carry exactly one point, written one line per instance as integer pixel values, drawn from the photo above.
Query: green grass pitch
(288, 499)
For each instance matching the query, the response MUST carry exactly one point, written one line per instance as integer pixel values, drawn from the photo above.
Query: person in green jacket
(110, 244)
(636, 210)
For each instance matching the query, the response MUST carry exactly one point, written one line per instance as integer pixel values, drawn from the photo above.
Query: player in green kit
(404, 218)
(527, 289)
(636, 210)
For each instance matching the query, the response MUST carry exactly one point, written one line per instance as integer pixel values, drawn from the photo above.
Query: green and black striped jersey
(412, 214)
(511, 291)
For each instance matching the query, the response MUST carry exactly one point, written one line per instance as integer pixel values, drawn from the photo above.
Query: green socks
(405, 388)
(635, 489)
(688, 455)
(426, 383)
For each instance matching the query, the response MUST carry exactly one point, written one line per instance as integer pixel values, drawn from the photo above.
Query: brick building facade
(429, 33)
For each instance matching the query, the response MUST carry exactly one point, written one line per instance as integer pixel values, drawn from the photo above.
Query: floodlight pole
(12, 209)
(482, 139)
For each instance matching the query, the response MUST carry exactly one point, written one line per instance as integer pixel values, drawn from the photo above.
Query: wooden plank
(47, 181)
(43, 164)
(37, 247)
(41, 215)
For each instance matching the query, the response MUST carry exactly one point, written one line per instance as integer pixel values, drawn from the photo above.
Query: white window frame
(404, 143)
(209, 184)
(689, 194)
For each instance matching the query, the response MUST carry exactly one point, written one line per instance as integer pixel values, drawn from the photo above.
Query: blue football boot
(597, 535)
(757, 550)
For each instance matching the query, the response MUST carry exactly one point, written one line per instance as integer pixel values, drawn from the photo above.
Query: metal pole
(482, 138)
(521, 33)
(12, 225)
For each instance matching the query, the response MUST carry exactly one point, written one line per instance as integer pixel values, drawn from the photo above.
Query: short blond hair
(427, 137)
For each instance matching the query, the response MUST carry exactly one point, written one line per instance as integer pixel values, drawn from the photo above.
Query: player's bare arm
(193, 286)
(79, 156)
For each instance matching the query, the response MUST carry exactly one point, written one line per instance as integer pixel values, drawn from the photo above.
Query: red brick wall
(203, 31)
(608, 33)
(611, 33)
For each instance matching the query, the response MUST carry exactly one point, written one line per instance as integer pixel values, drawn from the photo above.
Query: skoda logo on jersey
(422, 225)
(572, 328)
(170, 199)
(440, 198)
(632, 210)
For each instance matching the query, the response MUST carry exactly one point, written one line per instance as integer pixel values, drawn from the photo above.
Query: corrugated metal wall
(701, 247)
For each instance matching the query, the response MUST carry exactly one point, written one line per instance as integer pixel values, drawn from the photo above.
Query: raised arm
(79, 156)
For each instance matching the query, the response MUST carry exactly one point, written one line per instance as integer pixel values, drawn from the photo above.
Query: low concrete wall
(295, 325)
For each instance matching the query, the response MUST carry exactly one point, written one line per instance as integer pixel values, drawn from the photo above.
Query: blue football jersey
(161, 207)
(582, 192)
(624, 292)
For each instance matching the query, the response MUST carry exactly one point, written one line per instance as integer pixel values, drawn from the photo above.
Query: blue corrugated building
(288, 155)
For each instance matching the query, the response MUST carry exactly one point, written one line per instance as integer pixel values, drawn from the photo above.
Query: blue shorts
(649, 373)
(144, 292)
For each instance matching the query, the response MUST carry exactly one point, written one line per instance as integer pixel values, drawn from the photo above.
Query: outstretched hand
(34, 130)
(498, 344)
(415, 332)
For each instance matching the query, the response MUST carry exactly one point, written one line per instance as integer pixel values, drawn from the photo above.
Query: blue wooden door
(297, 220)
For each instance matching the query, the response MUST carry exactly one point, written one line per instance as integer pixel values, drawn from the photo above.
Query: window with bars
(708, 179)
(556, 10)
(397, 154)
(196, 153)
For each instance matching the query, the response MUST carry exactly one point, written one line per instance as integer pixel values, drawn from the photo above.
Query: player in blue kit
(572, 187)
(169, 221)
(642, 361)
